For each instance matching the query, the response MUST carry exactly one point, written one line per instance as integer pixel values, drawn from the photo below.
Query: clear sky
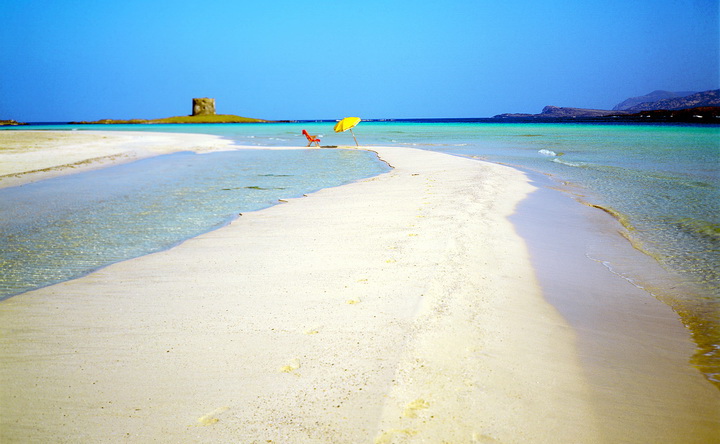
(275, 59)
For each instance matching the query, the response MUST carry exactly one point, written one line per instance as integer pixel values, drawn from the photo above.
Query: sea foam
(545, 152)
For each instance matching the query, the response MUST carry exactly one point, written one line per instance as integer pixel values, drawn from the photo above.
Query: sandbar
(32, 155)
(400, 308)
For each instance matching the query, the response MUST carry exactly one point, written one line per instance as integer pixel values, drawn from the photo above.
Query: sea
(660, 181)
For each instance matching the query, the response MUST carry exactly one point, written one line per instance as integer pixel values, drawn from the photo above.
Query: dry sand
(402, 308)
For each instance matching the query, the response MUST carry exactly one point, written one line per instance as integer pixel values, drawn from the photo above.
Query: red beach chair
(311, 139)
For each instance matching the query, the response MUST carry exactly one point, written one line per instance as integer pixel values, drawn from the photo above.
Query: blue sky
(89, 59)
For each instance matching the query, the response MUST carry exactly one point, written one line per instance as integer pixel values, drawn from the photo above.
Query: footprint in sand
(483, 439)
(211, 418)
(387, 437)
(312, 331)
(412, 408)
(291, 367)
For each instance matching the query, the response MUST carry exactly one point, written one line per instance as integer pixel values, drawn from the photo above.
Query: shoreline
(629, 341)
(33, 155)
(429, 323)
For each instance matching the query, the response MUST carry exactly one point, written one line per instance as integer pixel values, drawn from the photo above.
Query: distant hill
(559, 112)
(555, 111)
(652, 97)
(701, 99)
(703, 102)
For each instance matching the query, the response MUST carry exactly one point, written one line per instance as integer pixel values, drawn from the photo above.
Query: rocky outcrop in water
(203, 112)
(215, 118)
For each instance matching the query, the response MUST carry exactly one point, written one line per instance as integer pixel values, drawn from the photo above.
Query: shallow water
(62, 228)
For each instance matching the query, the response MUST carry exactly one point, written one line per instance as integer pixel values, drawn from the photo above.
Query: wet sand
(633, 349)
(402, 308)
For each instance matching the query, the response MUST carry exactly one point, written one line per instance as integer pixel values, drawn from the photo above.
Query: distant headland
(666, 106)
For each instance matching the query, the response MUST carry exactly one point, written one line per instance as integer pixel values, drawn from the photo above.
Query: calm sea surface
(65, 227)
(661, 181)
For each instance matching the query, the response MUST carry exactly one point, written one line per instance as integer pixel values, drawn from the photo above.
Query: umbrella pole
(351, 131)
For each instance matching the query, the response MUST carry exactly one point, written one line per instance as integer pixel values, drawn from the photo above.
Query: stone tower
(203, 107)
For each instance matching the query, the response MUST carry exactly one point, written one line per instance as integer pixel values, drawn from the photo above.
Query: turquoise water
(661, 181)
(62, 228)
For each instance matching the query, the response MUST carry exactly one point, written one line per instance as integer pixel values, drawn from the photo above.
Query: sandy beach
(400, 308)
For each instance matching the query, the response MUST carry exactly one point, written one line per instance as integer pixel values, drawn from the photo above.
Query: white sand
(401, 308)
(27, 156)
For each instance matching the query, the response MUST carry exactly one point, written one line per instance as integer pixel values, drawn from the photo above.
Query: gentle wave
(570, 164)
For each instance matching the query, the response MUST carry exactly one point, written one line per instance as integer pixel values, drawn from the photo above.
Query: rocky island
(11, 122)
(203, 111)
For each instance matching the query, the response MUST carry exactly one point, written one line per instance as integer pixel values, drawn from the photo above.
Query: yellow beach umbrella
(347, 124)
